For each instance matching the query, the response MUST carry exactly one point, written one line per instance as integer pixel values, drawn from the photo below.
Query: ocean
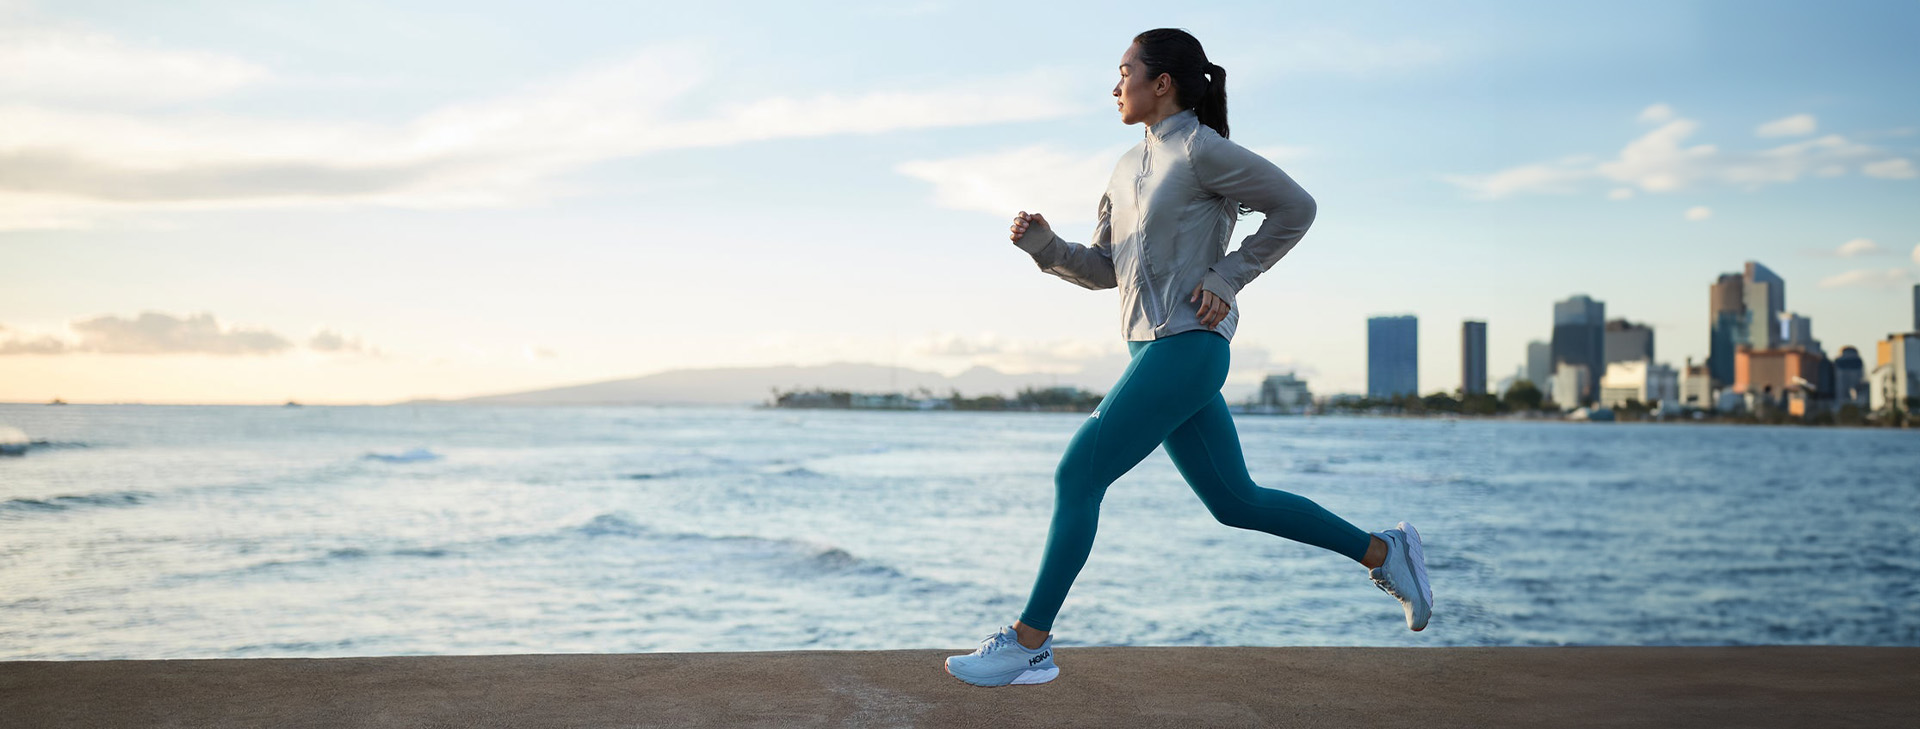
(150, 532)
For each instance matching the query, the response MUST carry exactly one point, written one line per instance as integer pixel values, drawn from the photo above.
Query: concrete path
(1098, 687)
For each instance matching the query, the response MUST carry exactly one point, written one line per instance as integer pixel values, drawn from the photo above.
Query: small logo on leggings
(1096, 414)
(1034, 661)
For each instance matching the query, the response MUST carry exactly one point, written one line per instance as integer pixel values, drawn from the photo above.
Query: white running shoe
(1001, 661)
(1404, 574)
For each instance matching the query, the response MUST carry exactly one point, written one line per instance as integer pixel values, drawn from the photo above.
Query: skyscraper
(1627, 341)
(1744, 309)
(1473, 358)
(1539, 363)
(1727, 325)
(1765, 296)
(1579, 339)
(1849, 378)
(1393, 356)
(1796, 331)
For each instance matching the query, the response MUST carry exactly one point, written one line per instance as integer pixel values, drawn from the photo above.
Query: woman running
(1162, 238)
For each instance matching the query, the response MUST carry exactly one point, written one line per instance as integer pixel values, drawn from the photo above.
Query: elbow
(1303, 212)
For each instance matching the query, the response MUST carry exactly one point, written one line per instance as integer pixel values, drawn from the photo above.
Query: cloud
(155, 333)
(63, 167)
(1916, 255)
(1698, 213)
(328, 340)
(42, 345)
(1656, 113)
(1620, 193)
(1064, 186)
(1062, 356)
(1898, 168)
(1868, 278)
(59, 66)
(1858, 247)
(1798, 125)
(1662, 160)
(1092, 361)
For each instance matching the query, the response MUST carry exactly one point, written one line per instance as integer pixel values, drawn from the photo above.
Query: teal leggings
(1169, 395)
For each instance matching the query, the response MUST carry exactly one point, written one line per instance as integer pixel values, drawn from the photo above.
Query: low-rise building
(1894, 376)
(1696, 386)
(1569, 380)
(1285, 393)
(1765, 376)
(1639, 381)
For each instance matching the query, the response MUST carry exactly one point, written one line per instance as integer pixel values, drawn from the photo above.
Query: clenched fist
(1022, 222)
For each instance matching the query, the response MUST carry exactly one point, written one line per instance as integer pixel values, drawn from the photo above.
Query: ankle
(1030, 638)
(1376, 554)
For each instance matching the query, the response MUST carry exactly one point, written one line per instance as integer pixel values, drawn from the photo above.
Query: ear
(1163, 84)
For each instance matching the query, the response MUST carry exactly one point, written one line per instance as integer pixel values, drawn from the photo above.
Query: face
(1138, 95)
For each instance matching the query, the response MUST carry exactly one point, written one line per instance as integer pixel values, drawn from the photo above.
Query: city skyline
(233, 203)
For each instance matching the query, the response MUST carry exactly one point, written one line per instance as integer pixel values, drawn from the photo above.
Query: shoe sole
(1028, 677)
(1417, 566)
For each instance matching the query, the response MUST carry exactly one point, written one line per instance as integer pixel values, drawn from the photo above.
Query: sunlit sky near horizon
(364, 202)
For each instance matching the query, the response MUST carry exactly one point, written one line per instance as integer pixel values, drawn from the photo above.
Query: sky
(367, 202)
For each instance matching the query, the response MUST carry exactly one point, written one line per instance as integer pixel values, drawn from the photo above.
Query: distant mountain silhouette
(747, 385)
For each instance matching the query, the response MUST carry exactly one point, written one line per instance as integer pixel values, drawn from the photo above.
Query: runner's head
(1174, 64)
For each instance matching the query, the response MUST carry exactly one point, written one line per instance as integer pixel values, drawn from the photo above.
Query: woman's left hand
(1212, 308)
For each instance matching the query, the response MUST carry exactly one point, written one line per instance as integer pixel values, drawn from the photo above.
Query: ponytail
(1212, 108)
(1199, 84)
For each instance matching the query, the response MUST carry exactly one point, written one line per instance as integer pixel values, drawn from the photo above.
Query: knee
(1077, 481)
(1230, 514)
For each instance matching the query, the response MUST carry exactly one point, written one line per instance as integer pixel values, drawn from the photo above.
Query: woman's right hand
(1024, 221)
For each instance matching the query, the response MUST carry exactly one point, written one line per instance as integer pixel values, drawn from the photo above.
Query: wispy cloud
(1663, 160)
(62, 166)
(64, 66)
(1898, 168)
(1798, 125)
(1853, 248)
(1064, 185)
(1102, 360)
(154, 333)
(329, 340)
(1698, 213)
(1877, 278)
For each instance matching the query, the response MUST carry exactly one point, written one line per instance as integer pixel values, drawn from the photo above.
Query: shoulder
(1205, 144)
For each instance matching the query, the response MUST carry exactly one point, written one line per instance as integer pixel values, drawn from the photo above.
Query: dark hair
(1199, 84)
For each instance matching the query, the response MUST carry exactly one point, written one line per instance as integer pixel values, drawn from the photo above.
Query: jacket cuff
(1036, 243)
(1216, 284)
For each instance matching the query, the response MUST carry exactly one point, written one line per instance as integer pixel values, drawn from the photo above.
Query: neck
(1161, 114)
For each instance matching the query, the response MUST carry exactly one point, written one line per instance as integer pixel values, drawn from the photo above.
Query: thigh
(1206, 449)
(1164, 385)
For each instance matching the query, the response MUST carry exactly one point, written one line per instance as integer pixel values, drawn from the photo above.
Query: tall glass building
(1473, 358)
(1579, 339)
(1393, 356)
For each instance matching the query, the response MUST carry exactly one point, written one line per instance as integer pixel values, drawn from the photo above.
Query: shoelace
(992, 642)
(1385, 580)
(1386, 585)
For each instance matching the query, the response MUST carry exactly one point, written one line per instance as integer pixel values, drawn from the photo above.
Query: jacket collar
(1172, 125)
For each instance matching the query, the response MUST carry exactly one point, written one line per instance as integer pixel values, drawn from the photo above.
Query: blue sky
(367, 202)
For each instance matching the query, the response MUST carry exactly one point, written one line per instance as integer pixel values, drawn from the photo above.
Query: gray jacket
(1169, 209)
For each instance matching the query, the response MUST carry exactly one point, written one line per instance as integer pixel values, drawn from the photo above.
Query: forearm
(1081, 265)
